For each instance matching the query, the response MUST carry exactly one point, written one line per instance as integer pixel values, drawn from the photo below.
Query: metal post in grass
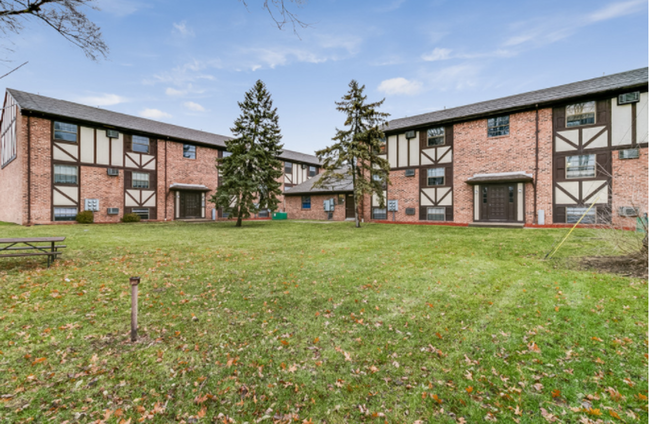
(134, 307)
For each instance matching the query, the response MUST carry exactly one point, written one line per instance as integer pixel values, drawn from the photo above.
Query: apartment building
(539, 158)
(58, 158)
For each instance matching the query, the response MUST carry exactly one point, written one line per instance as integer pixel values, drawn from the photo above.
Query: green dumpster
(277, 216)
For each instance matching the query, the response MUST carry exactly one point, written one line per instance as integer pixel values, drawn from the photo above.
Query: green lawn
(296, 321)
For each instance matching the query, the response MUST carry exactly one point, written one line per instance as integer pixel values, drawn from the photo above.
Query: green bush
(130, 217)
(85, 217)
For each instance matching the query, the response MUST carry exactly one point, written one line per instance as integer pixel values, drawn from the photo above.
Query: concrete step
(497, 224)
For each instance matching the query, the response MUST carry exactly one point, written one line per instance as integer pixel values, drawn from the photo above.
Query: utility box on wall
(91, 205)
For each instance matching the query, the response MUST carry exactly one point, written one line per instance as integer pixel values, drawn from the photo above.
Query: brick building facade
(539, 158)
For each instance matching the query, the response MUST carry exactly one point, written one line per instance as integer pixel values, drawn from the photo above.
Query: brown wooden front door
(498, 202)
(349, 206)
(190, 204)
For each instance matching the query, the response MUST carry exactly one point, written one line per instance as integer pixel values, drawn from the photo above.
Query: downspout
(166, 184)
(535, 217)
(29, 173)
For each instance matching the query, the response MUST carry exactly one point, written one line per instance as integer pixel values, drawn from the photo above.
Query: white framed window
(140, 144)
(581, 166)
(581, 114)
(498, 126)
(288, 167)
(435, 176)
(436, 136)
(65, 214)
(143, 213)
(573, 215)
(66, 174)
(65, 132)
(189, 151)
(435, 214)
(8, 130)
(379, 213)
(140, 180)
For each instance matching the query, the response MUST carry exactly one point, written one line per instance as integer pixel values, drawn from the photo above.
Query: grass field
(318, 322)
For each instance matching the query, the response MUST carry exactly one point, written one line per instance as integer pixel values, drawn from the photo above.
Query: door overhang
(188, 187)
(500, 178)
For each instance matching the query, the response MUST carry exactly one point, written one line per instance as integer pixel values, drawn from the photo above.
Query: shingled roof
(64, 109)
(610, 83)
(335, 186)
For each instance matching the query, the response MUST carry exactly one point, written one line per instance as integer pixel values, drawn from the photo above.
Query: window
(288, 167)
(485, 194)
(225, 154)
(140, 180)
(306, 202)
(140, 144)
(511, 194)
(581, 166)
(435, 214)
(435, 176)
(581, 114)
(142, 213)
(379, 213)
(498, 126)
(189, 151)
(436, 136)
(573, 215)
(8, 130)
(65, 174)
(341, 199)
(312, 171)
(65, 132)
(65, 214)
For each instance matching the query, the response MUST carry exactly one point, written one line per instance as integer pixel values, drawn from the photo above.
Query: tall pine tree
(357, 150)
(250, 175)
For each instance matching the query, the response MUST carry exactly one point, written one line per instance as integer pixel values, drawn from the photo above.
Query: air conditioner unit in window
(113, 171)
(113, 211)
(628, 211)
(112, 134)
(409, 173)
(626, 98)
(628, 154)
(410, 211)
(410, 134)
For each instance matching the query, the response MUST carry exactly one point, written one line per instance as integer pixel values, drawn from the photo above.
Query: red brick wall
(294, 208)
(41, 170)
(406, 190)
(13, 180)
(475, 153)
(629, 186)
(109, 190)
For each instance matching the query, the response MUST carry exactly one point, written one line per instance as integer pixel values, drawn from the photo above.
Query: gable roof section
(65, 109)
(340, 186)
(630, 79)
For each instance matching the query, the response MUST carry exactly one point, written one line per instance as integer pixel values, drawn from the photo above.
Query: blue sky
(189, 63)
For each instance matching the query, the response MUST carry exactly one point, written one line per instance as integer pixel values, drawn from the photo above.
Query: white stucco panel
(444, 154)
(621, 121)
(424, 200)
(572, 187)
(60, 200)
(117, 151)
(87, 145)
(60, 148)
(642, 119)
(571, 135)
(130, 202)
(599, 142)
(590, 188)
(149, 194)
(403, 159)
(392, 151)
(431, 153)
(440, 193)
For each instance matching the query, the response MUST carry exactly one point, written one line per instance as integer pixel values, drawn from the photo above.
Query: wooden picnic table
(34, 246)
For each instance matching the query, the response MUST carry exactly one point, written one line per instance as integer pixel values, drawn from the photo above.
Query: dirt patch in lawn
(628, 265)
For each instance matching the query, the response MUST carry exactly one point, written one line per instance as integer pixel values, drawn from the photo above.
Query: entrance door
(498, 203)
(190, 206)
(349, 206)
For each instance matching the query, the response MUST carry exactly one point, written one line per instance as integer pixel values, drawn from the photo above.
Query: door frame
(177, 204)
(519, 196)
(351, 209)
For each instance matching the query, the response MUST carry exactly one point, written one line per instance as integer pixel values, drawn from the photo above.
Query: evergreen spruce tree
(357, 149)
(250, 175)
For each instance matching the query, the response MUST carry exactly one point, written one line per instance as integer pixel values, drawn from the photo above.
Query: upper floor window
(288, 167)
(140, 144)
(581, 114)
(436, 136)
(498, 126)
(581, 166)
(189, 151)
(65, 174)
(306, 202)
(312, 171)
(225, 154)
(65, 132)
(140, 180)
(435, 176)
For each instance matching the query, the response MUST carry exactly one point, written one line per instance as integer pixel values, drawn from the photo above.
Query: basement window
(436, 136)
(65, 132)
(65, 214)
(142, 213)
(573, 215)
(435, 214)
(581, 166)
(379, 213)
(581, 114)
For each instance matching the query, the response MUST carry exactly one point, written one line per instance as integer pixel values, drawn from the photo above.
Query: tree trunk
(357, 224)
(240, 212)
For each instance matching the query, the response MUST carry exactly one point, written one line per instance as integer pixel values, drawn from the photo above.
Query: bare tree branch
(13, 70)
(281, 14)
(64, 16)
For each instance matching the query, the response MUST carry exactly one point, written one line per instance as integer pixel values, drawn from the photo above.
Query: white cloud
(399, 86)
(174, 92)
(437, 54)
(182, 29)
(615, 10)
(154, 114)
(105, 99)
(194, 107)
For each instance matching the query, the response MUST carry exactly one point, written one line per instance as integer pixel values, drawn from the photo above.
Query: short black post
(134, 307)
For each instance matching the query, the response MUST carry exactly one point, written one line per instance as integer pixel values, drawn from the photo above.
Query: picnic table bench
(34, 246)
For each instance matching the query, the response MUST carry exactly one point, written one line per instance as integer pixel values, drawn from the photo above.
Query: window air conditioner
(628, 211)
(112, 134)
(627, 98)
(410, 134)
(113, 171)
(409, 173)
(113, 211)
(628, 154)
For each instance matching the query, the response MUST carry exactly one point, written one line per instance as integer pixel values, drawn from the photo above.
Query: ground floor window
(65, 214)
(142, 213)
(435, 214)
(573, 215)
(65, 174)
(378, 213)
(306, 202)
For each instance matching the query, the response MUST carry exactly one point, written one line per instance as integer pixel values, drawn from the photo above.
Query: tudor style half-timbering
(60, 158)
